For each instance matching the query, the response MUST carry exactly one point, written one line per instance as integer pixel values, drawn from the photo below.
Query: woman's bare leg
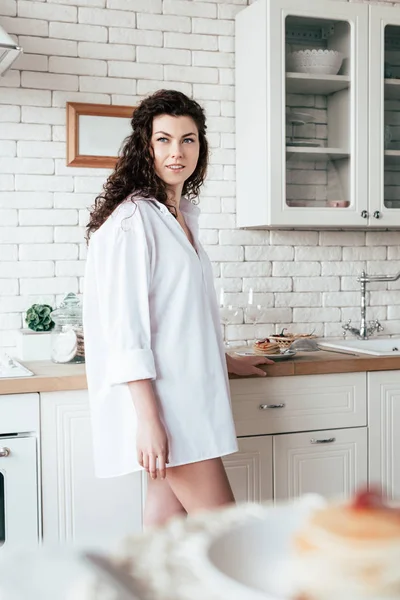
(161, 503)
(201, 485)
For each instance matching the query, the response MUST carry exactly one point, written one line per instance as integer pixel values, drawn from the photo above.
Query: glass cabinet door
(323, 107)
(384, 117)
(317, 106)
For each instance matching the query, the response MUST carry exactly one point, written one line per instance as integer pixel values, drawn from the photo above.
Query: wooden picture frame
(81, 127)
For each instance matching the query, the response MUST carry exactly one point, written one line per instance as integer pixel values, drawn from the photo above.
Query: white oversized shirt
(150, 312)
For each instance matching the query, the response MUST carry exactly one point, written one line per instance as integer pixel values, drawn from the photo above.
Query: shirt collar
(186, 207)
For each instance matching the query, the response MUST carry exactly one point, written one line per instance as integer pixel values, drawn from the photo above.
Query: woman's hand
(151, 438)
(152, 446)
(247, 365)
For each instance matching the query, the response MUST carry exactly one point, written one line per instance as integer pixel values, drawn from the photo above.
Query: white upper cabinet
(384, 116)
(306, 72)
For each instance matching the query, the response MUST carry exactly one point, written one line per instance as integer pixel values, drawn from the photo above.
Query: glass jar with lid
(67, 336)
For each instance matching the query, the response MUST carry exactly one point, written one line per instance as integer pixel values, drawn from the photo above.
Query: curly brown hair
(134, 174)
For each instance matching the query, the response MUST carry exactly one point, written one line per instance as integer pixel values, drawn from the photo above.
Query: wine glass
(253, 312)
(228, 313)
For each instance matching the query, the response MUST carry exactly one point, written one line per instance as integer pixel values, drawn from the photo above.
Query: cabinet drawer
(299, 403)
(19, 413)
(331, 463)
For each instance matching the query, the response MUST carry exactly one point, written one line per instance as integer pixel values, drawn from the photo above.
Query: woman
(156, 366)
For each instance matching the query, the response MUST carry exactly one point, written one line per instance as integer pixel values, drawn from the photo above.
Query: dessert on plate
(266, 346)
(349, 551)
(285, 337)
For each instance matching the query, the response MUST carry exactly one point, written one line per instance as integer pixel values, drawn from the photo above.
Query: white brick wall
(114, 52)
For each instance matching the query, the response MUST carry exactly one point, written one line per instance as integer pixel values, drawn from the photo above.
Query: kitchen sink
(375, 346)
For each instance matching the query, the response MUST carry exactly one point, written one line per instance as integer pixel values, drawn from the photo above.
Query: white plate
(300, 118)
(274, 357)
(65, 346)
(252, 561)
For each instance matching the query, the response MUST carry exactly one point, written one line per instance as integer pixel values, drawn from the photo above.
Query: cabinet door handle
(4, 452)
(324, 441)
(364, 214)
(377, 214)
(266, 406)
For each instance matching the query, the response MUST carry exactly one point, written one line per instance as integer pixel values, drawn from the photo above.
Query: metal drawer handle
(265, 406)
(4, 452)
(325, 441)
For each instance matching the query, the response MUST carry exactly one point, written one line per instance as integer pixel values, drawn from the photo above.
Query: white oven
(19, 434)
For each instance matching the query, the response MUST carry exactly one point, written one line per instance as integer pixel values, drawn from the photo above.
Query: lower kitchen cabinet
(250, 470)
(384, 428)
(312, 429)
(297, 435)
(332, 463)
(77, 507)
(20, 524)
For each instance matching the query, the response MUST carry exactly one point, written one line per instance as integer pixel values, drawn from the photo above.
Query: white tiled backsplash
(307, 279)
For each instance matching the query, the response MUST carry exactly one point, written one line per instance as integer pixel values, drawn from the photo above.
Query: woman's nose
(176, 149)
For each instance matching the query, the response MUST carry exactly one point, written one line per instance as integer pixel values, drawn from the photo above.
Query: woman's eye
(190, 140)
(162, 139)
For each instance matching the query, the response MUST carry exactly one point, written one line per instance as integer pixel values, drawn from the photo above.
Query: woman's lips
(175, 168)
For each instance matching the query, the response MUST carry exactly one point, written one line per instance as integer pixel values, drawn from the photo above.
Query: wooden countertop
(51, 377)
(323, 362)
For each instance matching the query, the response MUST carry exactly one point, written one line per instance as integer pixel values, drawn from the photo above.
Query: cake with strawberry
(349, 551)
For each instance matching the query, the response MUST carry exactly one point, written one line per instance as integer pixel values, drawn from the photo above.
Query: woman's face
(175, 144)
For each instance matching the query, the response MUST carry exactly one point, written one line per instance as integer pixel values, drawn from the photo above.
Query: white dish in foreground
(275, 357)
(252, 561)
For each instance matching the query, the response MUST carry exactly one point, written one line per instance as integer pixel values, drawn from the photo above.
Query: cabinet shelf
(309, 153)
(392, 89)
(392, 157)
(306, 83)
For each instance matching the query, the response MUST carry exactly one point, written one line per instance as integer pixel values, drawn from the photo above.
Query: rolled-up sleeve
(124, 276)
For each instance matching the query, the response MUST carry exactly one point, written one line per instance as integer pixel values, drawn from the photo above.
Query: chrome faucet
(367, 328)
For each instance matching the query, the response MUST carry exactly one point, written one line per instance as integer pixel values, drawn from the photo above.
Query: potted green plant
(34, 343)
(38, 317)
